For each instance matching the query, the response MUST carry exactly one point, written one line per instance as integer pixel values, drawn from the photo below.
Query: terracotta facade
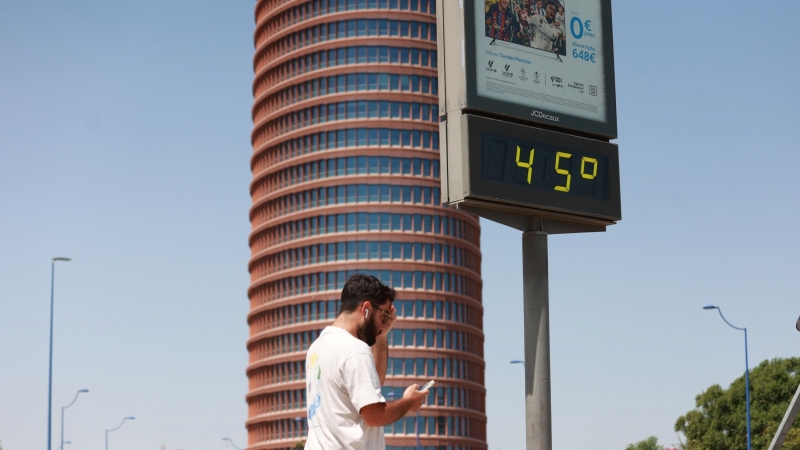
(346, 179)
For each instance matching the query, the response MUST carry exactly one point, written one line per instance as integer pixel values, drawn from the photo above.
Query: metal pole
(539, 435)
(417, 429)
(747, 388)
(50, 375)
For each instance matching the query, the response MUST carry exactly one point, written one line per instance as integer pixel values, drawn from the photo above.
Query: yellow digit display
(564, 155)
(526, 165)
(583, 167)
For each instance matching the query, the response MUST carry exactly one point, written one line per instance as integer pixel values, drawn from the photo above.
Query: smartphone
(427, 386)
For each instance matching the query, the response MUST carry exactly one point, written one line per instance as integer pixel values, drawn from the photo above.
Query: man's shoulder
(341, 341)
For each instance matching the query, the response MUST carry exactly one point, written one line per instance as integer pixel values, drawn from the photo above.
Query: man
(525, 17)
(539, 9)
(343, 376)
(560, 15)
(501, 22)
(547, 35)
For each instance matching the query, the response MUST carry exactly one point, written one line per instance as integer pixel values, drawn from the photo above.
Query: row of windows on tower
(439, 367)
(428, 338)
(339, 84)
(353, 82)
(351, 137)
(446, 396)
(435, 367)
(398, 279)
(344, 29)
(295, 370)
(315, 8)
(353, 165)
(451, 425)
(432, 426)
(428, 425)
(441, 396)
(344, 138)
(351, 194)
(329, 309)
(342, 56)
(352, 222)
(368, 251)
(417, 338)
(362, 109)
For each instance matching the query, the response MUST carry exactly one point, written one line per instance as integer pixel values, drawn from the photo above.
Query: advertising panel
(549, 61)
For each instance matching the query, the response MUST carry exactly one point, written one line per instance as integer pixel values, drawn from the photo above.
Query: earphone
(367, 316)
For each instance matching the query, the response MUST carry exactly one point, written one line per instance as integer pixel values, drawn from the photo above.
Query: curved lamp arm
(75, 399)
(723, 317)
(231, 442)
(121, 424)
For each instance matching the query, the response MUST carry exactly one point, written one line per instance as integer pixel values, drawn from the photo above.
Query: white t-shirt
(340, 380)
(545, 33)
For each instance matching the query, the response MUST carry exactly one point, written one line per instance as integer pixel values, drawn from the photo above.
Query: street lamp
(746, 370)
(62, 415)
(62, 444)
(231, 442)
(518, 361)
(416, 425)
(120, 426)
(299, 422)
(50, 377)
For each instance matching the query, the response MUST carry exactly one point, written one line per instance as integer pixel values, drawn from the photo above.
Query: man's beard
(368, 332)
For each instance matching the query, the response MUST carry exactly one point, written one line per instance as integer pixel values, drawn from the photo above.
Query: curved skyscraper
(346, 179)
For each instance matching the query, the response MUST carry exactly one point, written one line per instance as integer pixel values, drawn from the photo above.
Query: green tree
(650, 443)
(718, 421)
(300, 445)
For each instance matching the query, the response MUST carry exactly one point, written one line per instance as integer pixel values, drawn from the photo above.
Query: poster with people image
(550, 61)
(537, 24)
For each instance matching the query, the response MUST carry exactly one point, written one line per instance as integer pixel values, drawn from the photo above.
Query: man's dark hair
(551, 2)
(362, 287)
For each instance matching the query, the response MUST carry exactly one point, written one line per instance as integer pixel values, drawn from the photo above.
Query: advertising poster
(546, 55)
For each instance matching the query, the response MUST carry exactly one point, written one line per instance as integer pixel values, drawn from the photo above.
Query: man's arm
(381, 414)
(380, 350)
(380, 353)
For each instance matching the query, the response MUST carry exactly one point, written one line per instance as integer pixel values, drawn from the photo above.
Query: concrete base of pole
(539, 434)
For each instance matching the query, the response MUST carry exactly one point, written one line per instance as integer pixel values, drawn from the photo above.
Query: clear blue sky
(124, 144)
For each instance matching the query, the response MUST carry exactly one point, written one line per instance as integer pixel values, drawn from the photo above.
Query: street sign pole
(538, 428)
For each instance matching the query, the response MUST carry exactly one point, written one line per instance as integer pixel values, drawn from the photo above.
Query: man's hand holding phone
(415, 397)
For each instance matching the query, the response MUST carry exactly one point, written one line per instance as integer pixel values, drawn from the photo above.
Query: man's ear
(365, 309)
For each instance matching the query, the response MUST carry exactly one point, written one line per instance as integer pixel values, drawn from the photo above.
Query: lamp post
(62, 415)
(63, 443)
(518, 361)
(746, 370)
(120, 426)
(416, 425)
(299, 422)
(50, 376)
(231, 442)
